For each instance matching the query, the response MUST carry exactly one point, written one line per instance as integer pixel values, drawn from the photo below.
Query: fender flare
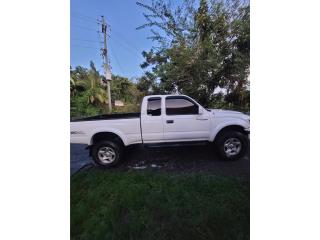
(233, 122)
(107, 130)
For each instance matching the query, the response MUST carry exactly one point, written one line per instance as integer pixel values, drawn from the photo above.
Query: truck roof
(167, 95)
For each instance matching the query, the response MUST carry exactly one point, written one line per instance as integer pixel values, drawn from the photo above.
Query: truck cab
(168, 118)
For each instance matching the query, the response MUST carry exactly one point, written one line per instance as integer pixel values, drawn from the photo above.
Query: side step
(175, 144)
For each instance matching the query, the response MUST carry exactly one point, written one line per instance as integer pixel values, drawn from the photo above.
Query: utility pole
(106, 63)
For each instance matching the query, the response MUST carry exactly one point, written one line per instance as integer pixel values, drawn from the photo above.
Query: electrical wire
(83, 19)
(123, 38)
(124, 46)
(117, 61)
(120, 39)
(84, 40)
(85, 28)
(76, 45)
(83, 16)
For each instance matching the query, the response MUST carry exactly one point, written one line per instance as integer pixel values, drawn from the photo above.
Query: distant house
(118, 103)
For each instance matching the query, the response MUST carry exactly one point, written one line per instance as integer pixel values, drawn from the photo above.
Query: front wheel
(107, 153)
(232, 145)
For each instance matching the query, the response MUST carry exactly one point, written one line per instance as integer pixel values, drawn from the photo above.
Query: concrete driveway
(171, 159)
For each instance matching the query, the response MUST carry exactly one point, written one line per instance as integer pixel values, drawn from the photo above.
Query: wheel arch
(229, 127)
(106, 135)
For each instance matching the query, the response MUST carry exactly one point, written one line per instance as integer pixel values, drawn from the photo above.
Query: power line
(119, 36)
(97, 13)
(85, 28)
(85, 16)
(123, 38)
(84, 40)
(117, 61)
(83, 19)
(126, 47)
(75, 45)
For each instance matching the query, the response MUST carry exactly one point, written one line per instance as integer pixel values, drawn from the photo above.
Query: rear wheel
(107, 153)
(232, 145)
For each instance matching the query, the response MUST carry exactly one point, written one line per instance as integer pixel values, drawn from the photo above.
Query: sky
(125, 43)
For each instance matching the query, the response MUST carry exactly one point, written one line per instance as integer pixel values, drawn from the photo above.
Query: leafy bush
(80, 107)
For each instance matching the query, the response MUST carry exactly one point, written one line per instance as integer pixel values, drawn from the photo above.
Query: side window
(154, 107)
(180, 106)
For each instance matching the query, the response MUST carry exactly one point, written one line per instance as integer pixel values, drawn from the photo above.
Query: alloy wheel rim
(106, 155)
(232, 147)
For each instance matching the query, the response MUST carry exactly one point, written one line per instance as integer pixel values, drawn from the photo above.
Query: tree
(97, 94)
(120, 88)
(88, 96)
(77, 83)
(197, 49)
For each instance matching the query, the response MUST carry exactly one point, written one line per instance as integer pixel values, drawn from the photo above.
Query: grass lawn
(145, 205)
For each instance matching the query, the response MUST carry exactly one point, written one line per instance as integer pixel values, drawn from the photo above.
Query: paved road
(79, 157)
(178, 159)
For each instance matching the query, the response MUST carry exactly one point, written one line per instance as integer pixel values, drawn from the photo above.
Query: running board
(175, 144)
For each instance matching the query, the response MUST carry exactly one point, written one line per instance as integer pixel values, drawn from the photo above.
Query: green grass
(135, 205)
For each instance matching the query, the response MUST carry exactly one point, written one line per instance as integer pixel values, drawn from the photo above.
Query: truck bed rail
(108, 117)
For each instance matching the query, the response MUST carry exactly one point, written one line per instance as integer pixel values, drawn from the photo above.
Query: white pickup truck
(164, 120)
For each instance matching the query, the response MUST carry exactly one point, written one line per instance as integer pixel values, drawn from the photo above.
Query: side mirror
(200, 111)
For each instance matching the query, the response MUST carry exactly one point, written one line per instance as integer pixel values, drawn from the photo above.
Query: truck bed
(125, 125)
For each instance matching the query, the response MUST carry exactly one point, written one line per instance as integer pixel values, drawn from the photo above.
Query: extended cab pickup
(164, 120)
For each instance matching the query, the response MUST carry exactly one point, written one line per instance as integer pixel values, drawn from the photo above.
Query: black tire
(228, 135)
(113, 146)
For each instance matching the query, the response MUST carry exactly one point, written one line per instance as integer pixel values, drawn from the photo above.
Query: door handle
(203, 119)
(170, 121)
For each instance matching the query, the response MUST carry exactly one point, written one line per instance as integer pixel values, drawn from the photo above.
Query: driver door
(183, 122)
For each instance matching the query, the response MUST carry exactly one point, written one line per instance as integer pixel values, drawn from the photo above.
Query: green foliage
(88, 95)
(81, 108)
(129, 205)
(124, 89)
(198, 49)
(127, 108)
